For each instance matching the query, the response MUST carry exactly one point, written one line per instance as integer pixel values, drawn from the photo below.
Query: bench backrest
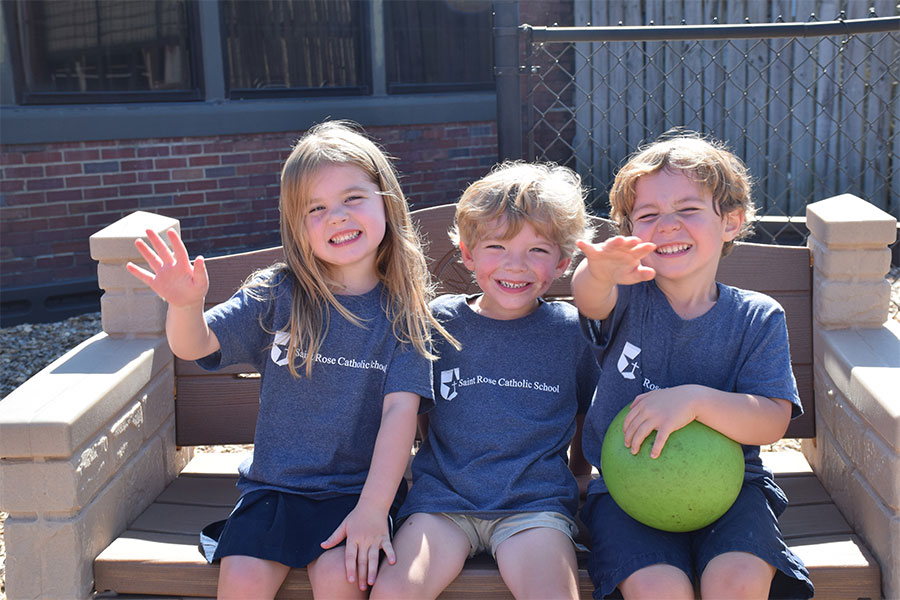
(221, 407)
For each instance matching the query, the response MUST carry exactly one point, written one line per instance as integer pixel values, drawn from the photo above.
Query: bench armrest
(88, 442)
(856, 451)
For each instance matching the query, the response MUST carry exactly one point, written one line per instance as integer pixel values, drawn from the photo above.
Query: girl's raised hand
(173, 277)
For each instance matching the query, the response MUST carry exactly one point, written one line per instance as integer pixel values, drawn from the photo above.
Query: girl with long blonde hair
(341, 335)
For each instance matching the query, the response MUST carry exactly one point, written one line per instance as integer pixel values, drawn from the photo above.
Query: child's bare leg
(328, 577)
(736, 575)
(431, 551)
(657, 581)
(250, 577)
(539, 563)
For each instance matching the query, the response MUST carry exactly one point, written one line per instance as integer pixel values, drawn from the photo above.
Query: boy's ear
(562, 266)
(466, 256)
(734, 220)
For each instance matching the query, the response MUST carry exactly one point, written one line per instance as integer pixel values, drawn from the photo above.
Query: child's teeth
(508, 284)
(343, 238)
(672, 249)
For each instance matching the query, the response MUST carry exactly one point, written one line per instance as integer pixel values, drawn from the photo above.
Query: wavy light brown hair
(400, 262)
(545, 195)
(706, 161)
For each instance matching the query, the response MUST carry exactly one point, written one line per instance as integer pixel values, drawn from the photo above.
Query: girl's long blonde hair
(400, 262)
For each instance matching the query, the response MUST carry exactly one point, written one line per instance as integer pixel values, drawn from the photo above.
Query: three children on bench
(349, 351)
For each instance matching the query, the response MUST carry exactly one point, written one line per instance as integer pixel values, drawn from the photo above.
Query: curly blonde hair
(547, 196)
(706, 161)
(400, 262)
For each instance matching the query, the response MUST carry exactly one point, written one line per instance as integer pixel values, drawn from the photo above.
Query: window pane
(105, 47)
(438, 45)
(292, 47)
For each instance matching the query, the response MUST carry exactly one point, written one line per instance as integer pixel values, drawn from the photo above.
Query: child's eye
(494, 246)
(541, 250)
(645, 216)
(317, 208)
(355, 198)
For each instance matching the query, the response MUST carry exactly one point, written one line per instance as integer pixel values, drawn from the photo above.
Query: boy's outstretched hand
(173, 277)
(618, 260)
(366, 532)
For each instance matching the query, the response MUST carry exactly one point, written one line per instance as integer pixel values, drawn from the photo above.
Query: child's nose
(515, 261)
(668, 221)
(337, 214)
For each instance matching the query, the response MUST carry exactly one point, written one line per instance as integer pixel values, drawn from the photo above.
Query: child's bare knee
(736, 575)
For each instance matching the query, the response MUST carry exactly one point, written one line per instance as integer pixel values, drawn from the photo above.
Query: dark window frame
(26, 97)
(363, 57)
(397, 87)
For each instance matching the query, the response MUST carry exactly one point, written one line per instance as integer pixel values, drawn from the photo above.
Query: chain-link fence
(813, 108)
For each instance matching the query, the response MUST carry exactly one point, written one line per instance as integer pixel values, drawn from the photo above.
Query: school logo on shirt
(280, 344)
(628, 364)
(449, 382)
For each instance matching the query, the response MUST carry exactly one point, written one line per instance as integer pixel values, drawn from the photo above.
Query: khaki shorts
(487, 534)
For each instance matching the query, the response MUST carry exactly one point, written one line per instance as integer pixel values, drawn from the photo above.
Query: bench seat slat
(159, 553)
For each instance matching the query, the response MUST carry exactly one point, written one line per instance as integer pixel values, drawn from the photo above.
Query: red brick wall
(224, 189)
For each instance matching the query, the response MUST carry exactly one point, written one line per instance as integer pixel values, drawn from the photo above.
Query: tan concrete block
(850, 264)
(60, 487)
(158, 401)
(53, 558)
(838, 304)
(133, 312)
(45, 560)
(849, 221)
(875, 460)
(879, 526)
(58, 410)
(864, 365)
(114, 276)
(116, 242)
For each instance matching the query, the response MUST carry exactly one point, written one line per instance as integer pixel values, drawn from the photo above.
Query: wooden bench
(158, 553)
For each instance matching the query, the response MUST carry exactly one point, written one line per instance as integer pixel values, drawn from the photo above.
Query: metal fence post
(506, 74)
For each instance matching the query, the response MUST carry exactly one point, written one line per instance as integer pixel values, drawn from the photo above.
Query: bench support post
(856, 451)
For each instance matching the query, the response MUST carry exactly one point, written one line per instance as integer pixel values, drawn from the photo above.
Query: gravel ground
(26, 349)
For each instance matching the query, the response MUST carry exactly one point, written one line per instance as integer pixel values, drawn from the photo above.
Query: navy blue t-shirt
(504, 413)
(740, 345)
(315, 436)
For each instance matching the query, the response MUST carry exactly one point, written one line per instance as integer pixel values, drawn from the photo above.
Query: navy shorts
(620, 545)
(279, 526)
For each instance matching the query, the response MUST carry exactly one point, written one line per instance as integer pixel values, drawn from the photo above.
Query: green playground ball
(695, 479)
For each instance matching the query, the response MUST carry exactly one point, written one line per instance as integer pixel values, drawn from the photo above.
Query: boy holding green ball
(679, 346)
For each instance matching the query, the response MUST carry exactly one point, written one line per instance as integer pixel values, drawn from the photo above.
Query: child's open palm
(173, 277)
(618, 260)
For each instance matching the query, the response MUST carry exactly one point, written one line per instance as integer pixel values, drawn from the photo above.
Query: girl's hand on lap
(366, 532)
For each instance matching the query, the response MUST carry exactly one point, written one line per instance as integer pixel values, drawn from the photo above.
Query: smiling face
(677, 215)
(345, 223)
(513, 273)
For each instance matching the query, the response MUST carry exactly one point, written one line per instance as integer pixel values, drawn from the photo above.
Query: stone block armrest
(856, 451)
(85, 445)
(89, 442)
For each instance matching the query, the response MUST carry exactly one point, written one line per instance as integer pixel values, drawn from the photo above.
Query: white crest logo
(279, 353)
(449, 381)
(627, 364)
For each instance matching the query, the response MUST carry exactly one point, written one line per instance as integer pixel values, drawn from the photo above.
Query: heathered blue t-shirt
(740, 345)
(504, 413)
(315, 436)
